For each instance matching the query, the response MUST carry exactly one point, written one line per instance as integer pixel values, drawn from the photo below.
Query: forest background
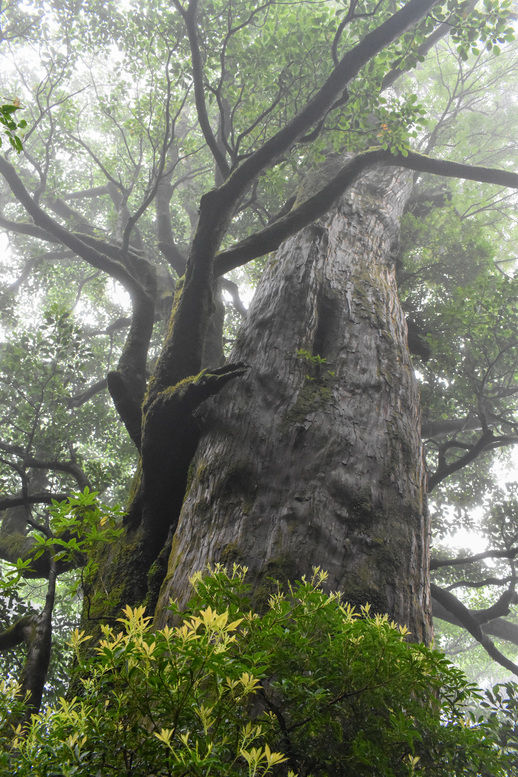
(135, 116)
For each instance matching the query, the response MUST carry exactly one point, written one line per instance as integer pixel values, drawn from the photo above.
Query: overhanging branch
(466, 619)
(19, 546)
(78, 245)
(437, 563)
(42, 498)
(271, 237)
(500, 627)
(347, 69)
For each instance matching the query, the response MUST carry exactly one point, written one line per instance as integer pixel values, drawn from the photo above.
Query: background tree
(313, 454)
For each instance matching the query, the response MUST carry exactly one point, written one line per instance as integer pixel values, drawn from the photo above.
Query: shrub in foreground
(310, 687)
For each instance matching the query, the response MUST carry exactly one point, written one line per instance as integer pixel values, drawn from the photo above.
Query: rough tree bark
(314, 458)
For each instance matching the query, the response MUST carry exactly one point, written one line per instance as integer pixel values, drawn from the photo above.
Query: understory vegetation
(308, 686)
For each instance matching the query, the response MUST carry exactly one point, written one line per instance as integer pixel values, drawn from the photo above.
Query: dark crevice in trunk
(328, 317)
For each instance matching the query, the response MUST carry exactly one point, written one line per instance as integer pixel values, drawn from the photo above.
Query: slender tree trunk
(315, 458)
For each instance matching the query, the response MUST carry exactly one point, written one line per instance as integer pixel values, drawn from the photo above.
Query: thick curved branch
(485, 443)
(271, 237)
(497, 610)
(438, 563)
(73, 217)
(27, 228)
(69, 467)
(69, 239)
(466, 619)
(110, 250)
(18, 633)
(189, 17)
(19, 546)
(500, 628)
(33, 499)
(127, 404)
(422, 163)
(433, 429)
(128, 383)
(347, 69)
(95, 191)
(174, 256)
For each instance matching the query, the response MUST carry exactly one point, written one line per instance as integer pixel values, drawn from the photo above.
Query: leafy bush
(502, 703)
(310, 687)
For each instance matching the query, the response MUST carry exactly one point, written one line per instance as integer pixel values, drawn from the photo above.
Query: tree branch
(438, 563)
(69, 239)
(19, 632)
(69, 467)
(271, 237)
(441, 31)
(80, 399)
(35, 669)
(347, 69)
(500, 628)
(466, 619)
(20, 546)
(486, 442)
(141, 283)
(189, 17)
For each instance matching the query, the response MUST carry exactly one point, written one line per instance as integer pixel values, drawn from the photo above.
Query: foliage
(109, 95)
(73, 529)
(45, 372)
(308, 687)
(77, 525)
(502, 703)
(9, 127)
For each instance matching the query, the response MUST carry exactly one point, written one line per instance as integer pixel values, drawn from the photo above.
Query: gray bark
(317, 461)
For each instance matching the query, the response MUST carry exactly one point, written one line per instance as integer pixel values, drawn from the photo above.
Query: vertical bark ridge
(316, 459)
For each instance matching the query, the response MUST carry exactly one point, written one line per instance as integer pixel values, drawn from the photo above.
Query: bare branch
(466, 619)
(270, 238)
(189, 17)
(437, 563)
(69, 239)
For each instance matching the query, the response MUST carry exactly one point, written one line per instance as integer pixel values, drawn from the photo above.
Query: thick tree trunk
(314, 458)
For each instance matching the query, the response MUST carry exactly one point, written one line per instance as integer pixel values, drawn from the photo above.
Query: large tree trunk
(314, 458)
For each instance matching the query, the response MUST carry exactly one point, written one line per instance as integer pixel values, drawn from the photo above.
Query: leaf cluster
(310, 687)
(9, 127)
(77, 525)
